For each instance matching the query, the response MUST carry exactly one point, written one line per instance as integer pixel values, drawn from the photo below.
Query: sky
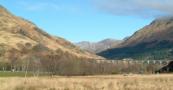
(90, 20)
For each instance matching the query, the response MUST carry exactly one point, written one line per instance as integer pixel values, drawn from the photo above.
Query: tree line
(40, 59)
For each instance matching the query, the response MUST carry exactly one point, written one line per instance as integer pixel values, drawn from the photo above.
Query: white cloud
(144, 8)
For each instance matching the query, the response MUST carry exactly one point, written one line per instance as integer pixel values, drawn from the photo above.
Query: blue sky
(76, 20)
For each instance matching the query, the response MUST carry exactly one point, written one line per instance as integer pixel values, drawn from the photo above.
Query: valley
(33, 59)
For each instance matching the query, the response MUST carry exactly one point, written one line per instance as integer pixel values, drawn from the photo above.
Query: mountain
(154, 41)
(97, 47)
(20, 38)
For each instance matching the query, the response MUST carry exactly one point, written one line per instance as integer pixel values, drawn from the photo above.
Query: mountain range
(20, 37)
(96, 47)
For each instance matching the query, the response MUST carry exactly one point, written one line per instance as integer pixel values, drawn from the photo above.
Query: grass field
(14, 74)
(117, 82)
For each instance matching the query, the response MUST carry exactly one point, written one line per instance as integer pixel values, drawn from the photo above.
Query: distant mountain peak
(96, 47)
(162, 20)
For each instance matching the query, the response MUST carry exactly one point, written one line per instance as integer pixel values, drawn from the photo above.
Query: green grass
(14, 74)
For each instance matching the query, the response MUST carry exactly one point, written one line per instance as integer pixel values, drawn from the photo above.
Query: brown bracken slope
(19, 37)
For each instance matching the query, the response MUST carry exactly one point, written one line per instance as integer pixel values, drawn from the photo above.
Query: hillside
(20, 38)
(97, 47)
(154, 41)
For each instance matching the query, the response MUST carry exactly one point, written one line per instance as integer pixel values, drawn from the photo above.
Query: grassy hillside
(153, 42)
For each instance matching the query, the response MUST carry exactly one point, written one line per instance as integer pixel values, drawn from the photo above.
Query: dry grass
(117, 82)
